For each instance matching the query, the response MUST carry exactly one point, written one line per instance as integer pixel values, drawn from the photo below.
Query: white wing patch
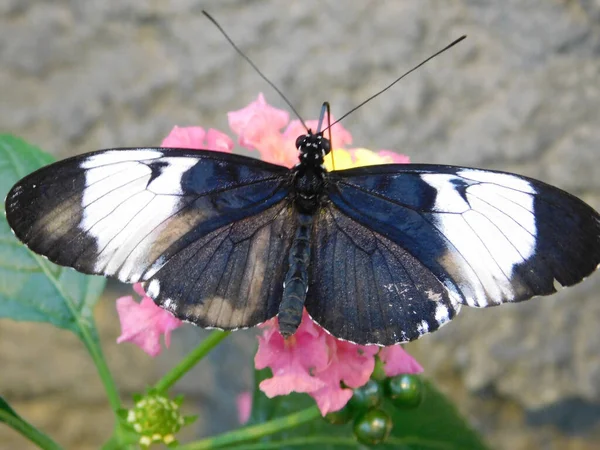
(447, 199)
(503, 179)
(117, 156)
(489, 222)
(126, 211)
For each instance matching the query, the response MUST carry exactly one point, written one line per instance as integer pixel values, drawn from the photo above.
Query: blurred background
(522, 94)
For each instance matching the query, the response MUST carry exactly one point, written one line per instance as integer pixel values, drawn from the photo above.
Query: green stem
(253, 432)
(103, 371)
(85, 331)
(17, 423)
(190, 360)
(341, 441)
(316, 441)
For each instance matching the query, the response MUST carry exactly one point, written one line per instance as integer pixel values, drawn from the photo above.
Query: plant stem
(253, 432)
(86, 332)
(103, 371)
(190, 360)
(29, 431)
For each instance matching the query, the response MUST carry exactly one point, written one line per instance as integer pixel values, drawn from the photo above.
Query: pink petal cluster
(260, 127)
(143, 323)
(314, 362)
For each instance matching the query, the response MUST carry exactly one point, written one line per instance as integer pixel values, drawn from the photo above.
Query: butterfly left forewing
(489, 237)
(124, 212)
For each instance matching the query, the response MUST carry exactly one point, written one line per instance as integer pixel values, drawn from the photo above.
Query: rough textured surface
(520, 94)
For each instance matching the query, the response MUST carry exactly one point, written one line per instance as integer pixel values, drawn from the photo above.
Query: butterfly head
(312, 147)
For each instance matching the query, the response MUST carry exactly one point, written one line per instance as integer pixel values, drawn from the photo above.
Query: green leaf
(434, 425)
(31, 287)
(13, 420)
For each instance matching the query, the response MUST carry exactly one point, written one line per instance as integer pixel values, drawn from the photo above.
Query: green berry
(373, 427)
(368, 396)
(405, 391)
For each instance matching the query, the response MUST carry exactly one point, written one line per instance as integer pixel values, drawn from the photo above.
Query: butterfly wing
(365, 288)
(488, 237)
(121, 212)
(231, 277)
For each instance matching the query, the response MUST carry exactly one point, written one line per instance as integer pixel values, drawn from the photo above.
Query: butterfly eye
(325, 145)
(300, 140)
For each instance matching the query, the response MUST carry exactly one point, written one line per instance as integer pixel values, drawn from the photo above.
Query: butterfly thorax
(310, 172)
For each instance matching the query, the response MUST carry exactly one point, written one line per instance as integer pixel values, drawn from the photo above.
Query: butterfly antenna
(326, 111)
(249, 61)
(399, 78)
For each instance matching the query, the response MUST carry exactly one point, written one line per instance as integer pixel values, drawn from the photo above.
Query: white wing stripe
(118, 156)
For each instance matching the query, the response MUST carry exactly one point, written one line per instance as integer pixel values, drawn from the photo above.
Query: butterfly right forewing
(490, 237)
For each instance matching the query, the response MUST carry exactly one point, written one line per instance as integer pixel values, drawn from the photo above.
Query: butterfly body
(379, 254)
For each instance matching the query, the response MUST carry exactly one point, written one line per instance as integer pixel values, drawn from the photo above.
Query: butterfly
(378, 255)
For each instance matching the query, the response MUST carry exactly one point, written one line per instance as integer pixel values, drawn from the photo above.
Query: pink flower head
(258, 126)
(197, 138)
(313, 362)
(143, 323)
(294, 361)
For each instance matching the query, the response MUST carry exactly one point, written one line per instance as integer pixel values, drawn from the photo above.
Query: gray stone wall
(522, 93)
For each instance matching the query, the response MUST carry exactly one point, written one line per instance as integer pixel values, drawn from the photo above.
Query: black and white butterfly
(379, 254)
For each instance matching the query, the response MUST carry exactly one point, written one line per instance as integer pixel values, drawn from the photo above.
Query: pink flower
(397, 361)
(326, 368)
(143, 323)
(197, 138)
(350, 364)
(294, 361)
(313, 362)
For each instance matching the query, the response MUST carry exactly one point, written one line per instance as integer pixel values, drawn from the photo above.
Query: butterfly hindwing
(124, 212)
(231, 277)
(367, 289)
(489, 237)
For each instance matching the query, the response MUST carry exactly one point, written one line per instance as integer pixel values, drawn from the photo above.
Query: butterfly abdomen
(295, 285)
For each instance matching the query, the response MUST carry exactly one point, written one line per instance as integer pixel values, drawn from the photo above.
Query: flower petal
(185, 137)
(391, 157)
(397, 361)
(218, 141)
(143, 323)
(294, 361)
(256, 120)
(331, 398)
(290, 382)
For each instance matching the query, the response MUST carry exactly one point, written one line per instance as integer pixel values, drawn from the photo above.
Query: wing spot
(442, 314)
(433, 296)
(153, 288)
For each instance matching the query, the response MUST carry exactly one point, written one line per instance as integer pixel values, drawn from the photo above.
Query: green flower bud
(156, 418)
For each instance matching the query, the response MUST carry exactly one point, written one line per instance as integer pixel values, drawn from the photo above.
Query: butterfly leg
(295, 284)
